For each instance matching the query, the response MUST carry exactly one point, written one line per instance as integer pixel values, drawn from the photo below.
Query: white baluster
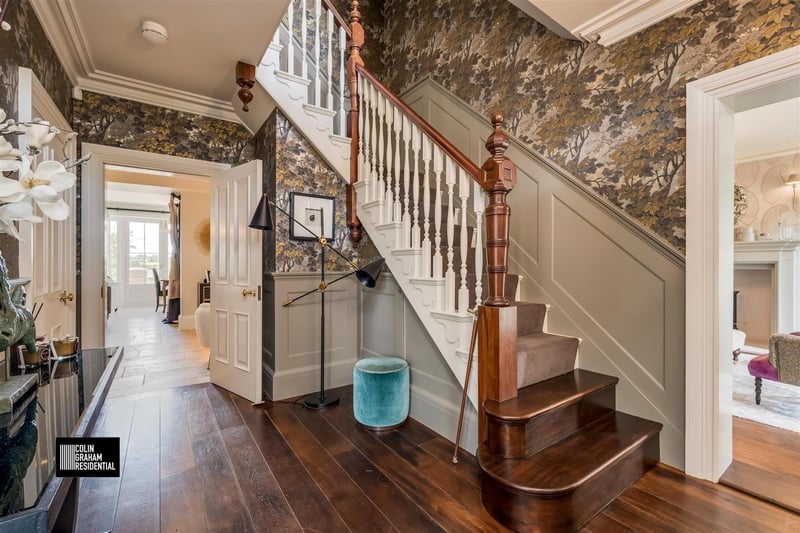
(304, 40)
(380, 148)
(463, 192)
(342, 76)
(478, 206)
(388, 200)
(396, 210)
(290, 45)
(406, 183)
(329, 70)
(372, 139)
(363, 147)
(438, 167)
(317, 66)
(416, 143)
(427, 151)
(450, 273)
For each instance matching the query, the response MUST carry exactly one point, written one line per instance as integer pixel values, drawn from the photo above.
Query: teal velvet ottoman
(381, 392)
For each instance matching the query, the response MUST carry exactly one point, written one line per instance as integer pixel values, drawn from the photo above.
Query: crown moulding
(621, 20)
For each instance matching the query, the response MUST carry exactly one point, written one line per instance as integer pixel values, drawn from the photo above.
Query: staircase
(554, 449)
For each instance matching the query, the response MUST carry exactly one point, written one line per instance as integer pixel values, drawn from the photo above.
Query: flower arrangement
(38, 183)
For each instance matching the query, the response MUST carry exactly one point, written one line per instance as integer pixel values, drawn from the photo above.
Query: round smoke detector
(154, 32)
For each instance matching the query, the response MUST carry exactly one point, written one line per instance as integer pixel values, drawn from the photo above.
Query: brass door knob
(64, 297)
(248, 292)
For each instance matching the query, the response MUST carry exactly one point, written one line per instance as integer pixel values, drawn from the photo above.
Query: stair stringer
(450, 332)
(316, 124)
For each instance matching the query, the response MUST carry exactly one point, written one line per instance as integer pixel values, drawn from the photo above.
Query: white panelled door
(47, 252)
(236, 282)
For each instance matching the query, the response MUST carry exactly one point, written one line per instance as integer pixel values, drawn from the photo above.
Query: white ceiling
(100, 44)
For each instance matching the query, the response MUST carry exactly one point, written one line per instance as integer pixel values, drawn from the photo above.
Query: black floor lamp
(367, 276)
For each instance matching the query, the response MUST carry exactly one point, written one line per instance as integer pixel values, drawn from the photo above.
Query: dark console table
(73, 390)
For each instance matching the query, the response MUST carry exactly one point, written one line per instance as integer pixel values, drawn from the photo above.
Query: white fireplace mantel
(784, 258)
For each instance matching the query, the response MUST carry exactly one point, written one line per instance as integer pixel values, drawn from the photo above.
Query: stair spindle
(450, 274)
(290, 41)
(304, 39)
(463, 192)
(329, 70)
(438, 168)
(389, 192)
(427, 151)
(363, 133)
(317, 50)
(341, 52)
(373, 135)
(478, 206)
(396, 211)
(380, 148)
(416, 143)
(406, 242)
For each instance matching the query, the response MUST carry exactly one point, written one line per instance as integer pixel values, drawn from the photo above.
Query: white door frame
(93, 227)
(710, 106)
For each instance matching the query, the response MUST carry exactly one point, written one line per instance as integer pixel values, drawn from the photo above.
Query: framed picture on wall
(312, 215)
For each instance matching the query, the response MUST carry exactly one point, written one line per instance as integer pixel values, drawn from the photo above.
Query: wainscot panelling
(609, 281)
(390, 326)
(291, 368)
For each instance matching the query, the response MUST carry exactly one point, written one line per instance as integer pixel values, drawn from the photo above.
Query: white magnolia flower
(10, 157)
(38, 133)
(42, 184)
(15, 211)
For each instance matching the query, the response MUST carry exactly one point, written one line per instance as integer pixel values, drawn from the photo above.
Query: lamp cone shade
(262, 218)
(793, 179)
(368, 275)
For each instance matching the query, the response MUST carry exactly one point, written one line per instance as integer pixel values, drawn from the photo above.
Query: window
(143, 251)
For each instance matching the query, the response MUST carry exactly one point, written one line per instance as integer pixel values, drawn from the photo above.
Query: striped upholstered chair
(781, 364)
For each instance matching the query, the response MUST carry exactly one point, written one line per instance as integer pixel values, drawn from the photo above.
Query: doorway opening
(712, 103)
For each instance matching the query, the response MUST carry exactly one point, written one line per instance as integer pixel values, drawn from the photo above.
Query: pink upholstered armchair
(781, 364)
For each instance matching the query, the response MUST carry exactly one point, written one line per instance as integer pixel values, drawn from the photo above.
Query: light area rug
(780, 403)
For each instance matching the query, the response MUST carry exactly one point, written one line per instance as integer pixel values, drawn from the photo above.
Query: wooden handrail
(339, 19)
(462, 160)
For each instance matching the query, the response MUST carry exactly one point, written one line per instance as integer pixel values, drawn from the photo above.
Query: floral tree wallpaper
(112, 121)
(292, 165)
(26, 45)
(614, 117)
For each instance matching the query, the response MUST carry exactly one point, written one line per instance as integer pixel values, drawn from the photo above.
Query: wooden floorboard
(401, 511)
(766, 463)
(198, 458)
(311, 508)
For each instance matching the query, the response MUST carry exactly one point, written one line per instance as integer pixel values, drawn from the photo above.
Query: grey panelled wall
(290, 352)
(390, 326)
(614, 284)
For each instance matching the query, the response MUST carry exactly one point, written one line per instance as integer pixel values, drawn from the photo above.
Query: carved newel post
(356, 44)
(497, 320)
(499, 178)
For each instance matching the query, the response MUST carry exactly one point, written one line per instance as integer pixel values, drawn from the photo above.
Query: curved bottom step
(563, 486)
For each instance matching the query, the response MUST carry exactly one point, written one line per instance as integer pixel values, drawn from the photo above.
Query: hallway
(157, 356)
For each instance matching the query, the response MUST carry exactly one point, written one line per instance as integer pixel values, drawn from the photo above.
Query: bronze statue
(16, 322)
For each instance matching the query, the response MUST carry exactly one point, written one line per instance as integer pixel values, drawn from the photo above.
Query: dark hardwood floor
(766, 463)
(199, 459)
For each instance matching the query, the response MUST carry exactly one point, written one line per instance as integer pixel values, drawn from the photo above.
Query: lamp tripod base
(320, 400)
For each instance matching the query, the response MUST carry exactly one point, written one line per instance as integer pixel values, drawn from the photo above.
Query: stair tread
(569, 463)
(544, 396)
